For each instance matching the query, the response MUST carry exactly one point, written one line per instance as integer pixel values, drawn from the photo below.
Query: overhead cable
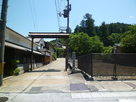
(35, 14)
(57, 14)
(32, 15)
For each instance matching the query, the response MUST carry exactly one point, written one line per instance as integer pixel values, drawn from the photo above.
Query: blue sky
(26, 16)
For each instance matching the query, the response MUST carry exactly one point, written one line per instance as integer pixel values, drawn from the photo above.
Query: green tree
(77, 29)
(53, 42)
(117, 27)
(132, 29)
(96, 46)
(86, 25)
(82, 44)
(128, 44)
(79, 43)
(104, 30)
(103, 33)
(60, 40)
(126, 33)
(108, 50)
(114, 38)
(60, 52)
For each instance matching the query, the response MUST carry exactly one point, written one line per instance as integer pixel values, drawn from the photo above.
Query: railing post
(115, 68)
(91, 66)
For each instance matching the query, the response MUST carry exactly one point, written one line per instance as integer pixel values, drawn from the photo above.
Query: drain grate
(78, 87)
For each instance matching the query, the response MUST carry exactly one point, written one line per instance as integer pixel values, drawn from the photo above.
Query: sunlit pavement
(52, 84)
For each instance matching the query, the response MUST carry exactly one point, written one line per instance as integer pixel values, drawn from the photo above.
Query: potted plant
(16, 71)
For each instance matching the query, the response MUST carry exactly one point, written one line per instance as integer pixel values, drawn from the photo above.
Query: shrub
(108, 50)
(54, 56)
(14, 62)
(16, 71)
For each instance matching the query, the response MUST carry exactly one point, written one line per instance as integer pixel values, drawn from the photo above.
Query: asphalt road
(51, 83)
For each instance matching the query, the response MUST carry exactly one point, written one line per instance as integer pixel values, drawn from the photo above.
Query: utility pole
(66, 15)
(2, 37)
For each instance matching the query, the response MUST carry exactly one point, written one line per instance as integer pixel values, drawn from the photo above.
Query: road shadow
(3, 99)
(49, 70)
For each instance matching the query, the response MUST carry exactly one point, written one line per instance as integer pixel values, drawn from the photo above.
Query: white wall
(17, 38)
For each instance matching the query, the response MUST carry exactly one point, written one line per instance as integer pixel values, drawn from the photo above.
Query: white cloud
(132, 17)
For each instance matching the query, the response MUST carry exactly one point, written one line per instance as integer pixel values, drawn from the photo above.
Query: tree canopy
(81, 43)
(86, 25)
(128, 44)
(106, 32)
(88, 38)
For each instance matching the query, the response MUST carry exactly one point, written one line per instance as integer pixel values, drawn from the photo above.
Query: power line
(35, 14)
(32, 15)
(62, 3)
(57, 15)
(58, 5)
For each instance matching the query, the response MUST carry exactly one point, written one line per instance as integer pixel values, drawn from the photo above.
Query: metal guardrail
(103, 64)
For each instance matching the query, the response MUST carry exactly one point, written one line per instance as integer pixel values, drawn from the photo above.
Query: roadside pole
(2, 37)
(73, 62)
(66, 15)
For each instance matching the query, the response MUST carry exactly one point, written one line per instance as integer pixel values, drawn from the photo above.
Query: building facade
(18, 47)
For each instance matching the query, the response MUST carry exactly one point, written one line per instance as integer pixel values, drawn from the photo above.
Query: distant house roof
(64, 47)
(58, 44)
(117, 44)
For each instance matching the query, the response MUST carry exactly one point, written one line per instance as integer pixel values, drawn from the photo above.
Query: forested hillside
(109, 33)
(88, 38)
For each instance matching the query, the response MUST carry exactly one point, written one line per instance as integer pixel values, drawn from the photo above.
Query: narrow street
(51, 83)
(49, 78)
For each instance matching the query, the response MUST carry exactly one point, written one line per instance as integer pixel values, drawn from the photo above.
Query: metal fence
(103, 64)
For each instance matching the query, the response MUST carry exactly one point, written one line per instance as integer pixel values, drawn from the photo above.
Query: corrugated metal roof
(20, 47)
